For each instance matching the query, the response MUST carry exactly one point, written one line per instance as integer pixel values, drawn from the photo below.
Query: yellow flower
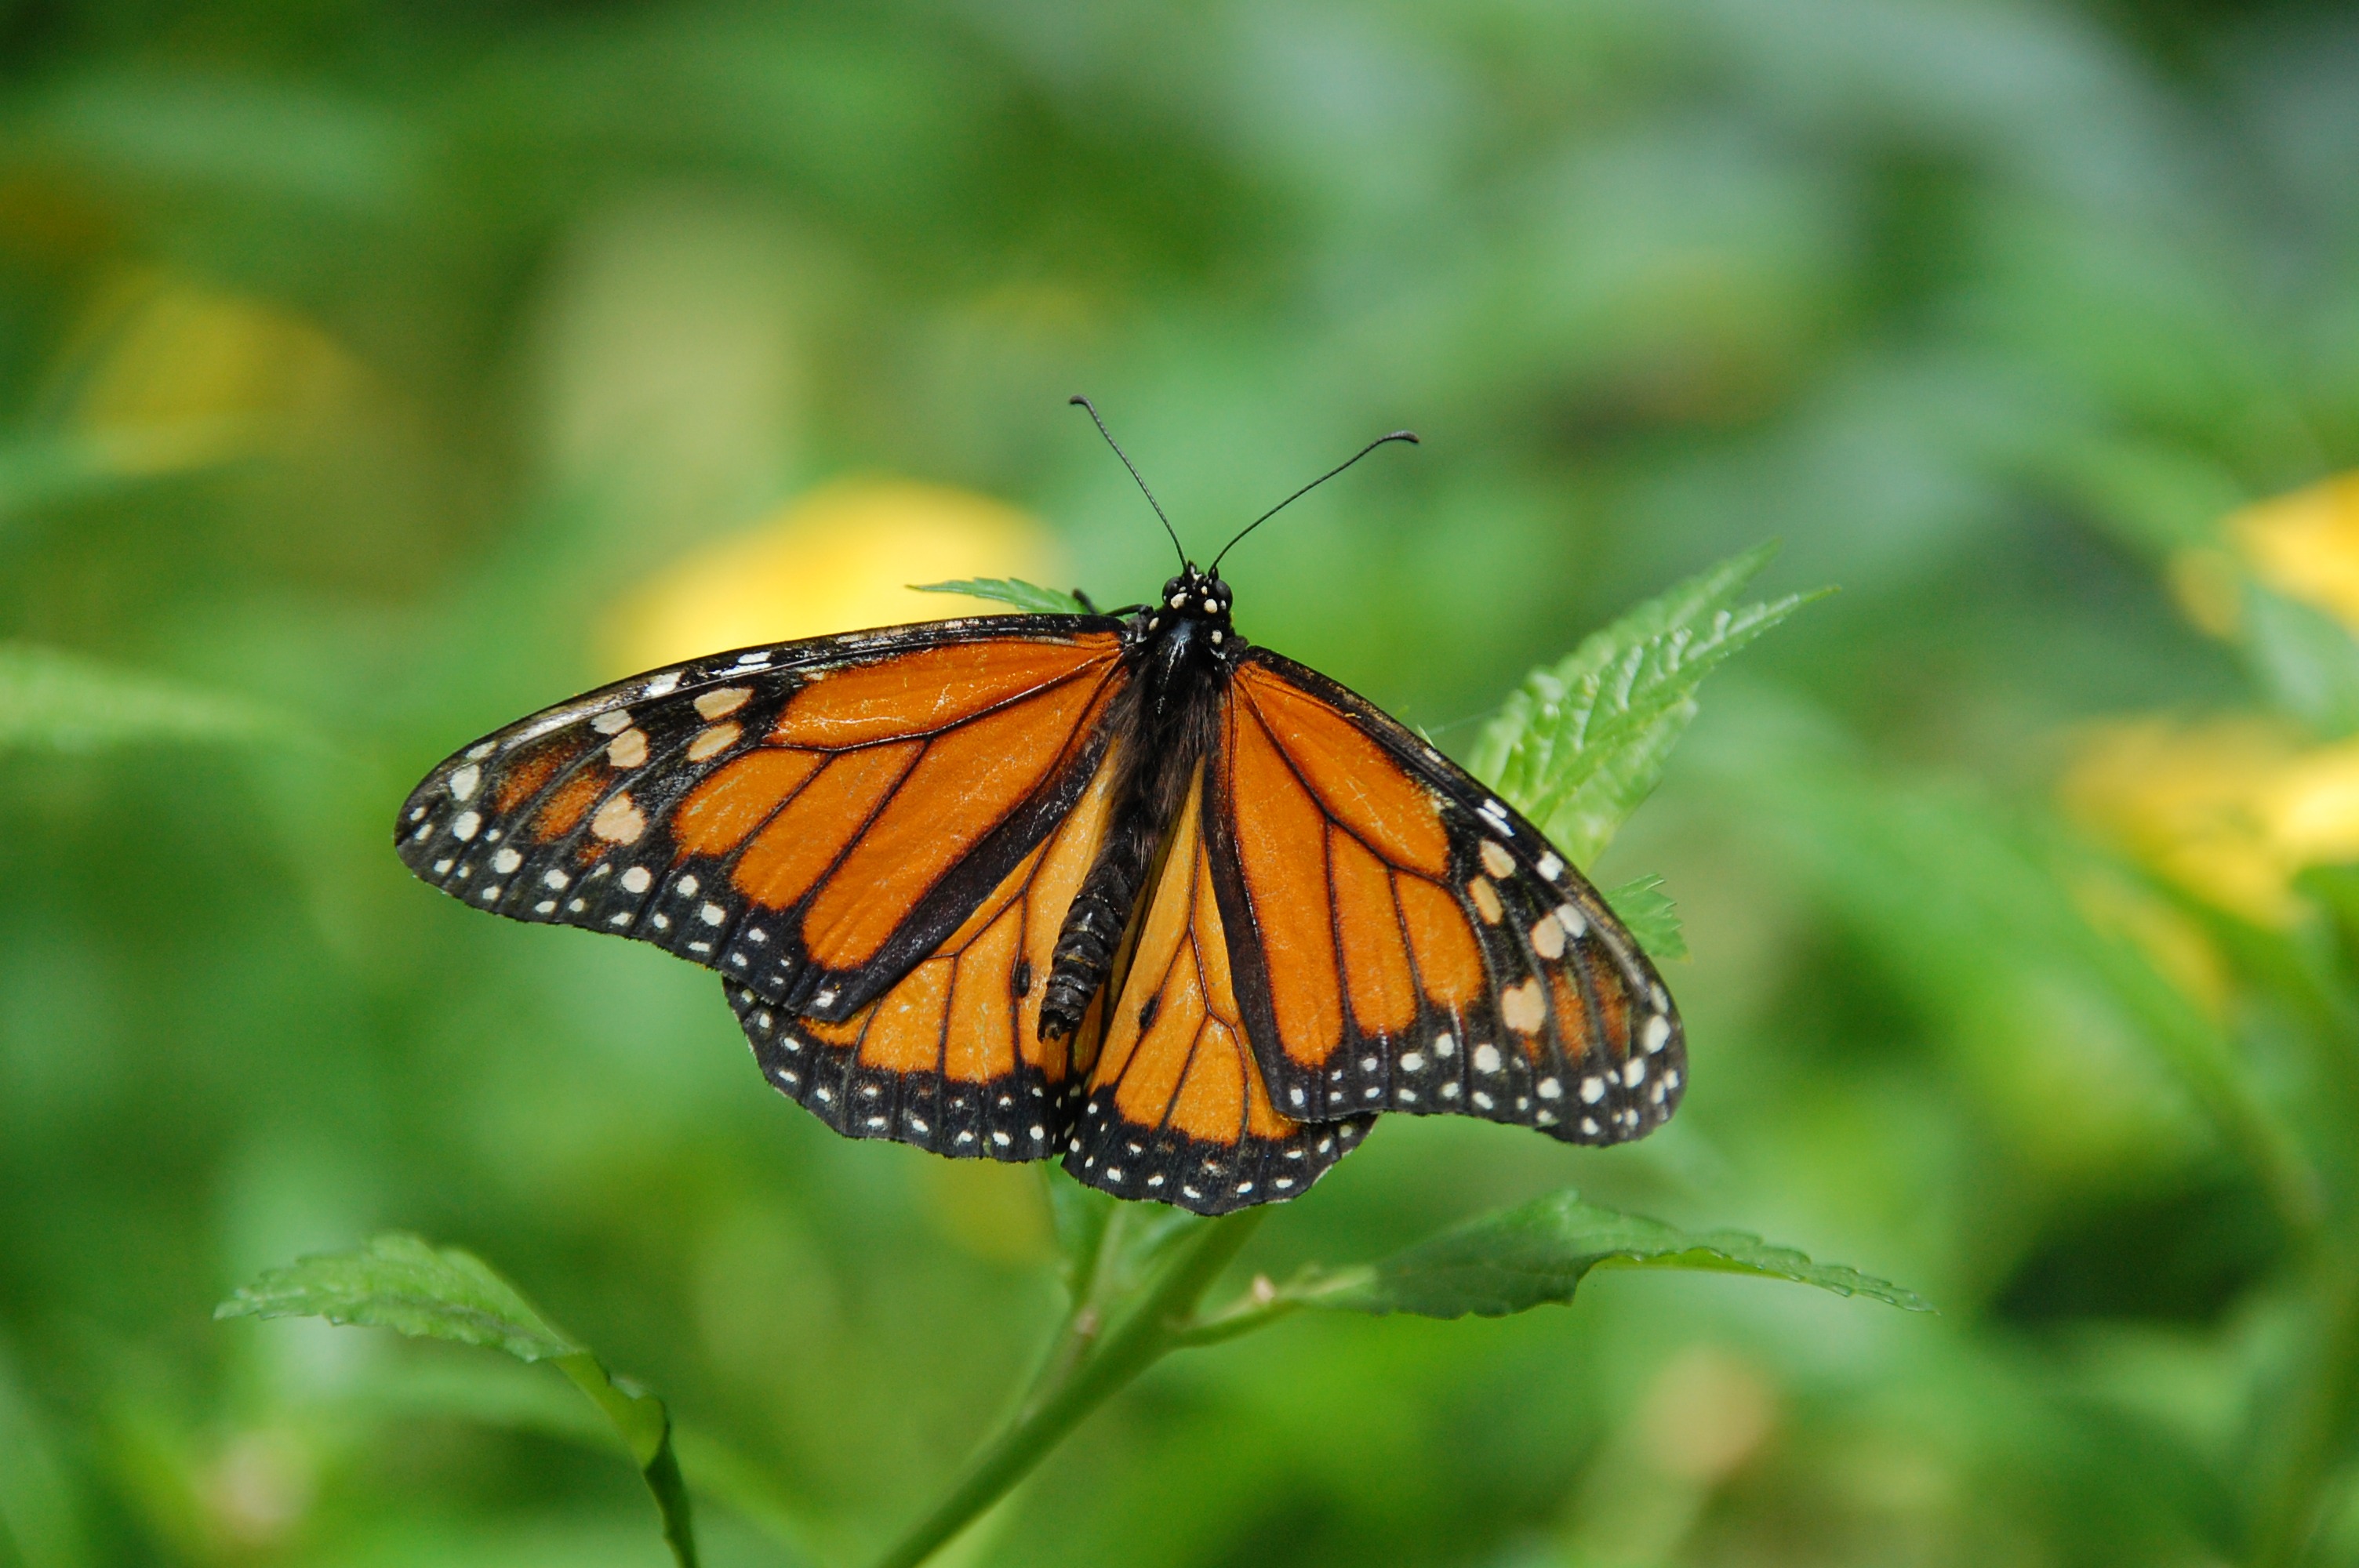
(840, 560)
(2230, 809)
(166, 372)
(2305, 545)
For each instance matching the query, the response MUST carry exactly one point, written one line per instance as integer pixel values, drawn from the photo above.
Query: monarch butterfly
(1119, 887)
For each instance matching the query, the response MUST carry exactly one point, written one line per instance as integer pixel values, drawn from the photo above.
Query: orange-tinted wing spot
(1375, 957)
(802, 841)
(561, 812)
(966, 783)
(1571, 1018)
(1281, 848)
(1358, 781)
(522, 780)
(1613, 1010)
(1448, 959)
(905, 1035)
(720, 812)
(916, 693)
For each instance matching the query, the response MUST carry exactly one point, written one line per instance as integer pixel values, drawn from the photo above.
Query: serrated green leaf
(1012, 590)
(55, 701)
(1537, 1253)
(1648, 913)
(1582, 743)
(403, 1282)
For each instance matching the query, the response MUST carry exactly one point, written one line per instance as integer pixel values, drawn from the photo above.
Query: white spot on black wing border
(1106, 1151)
(989, 1121)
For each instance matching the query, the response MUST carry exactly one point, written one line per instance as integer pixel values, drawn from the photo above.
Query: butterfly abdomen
(1093, 927)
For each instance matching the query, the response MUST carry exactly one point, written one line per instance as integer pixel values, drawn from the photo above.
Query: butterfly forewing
(812, 819)
(1404, 941)
(1176, 1108)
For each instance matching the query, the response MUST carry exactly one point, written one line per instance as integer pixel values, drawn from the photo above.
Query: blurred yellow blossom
(839, 559)
(2230, 809)
(2305, 545)
(166, 372)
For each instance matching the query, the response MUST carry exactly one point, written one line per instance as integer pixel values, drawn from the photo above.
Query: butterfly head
(1187, 627)
(1195, 596)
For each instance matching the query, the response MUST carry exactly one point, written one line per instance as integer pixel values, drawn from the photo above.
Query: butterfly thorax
(1182, 648)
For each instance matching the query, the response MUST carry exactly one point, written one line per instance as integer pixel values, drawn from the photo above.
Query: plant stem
(1074, 1385)
(2315, 1429)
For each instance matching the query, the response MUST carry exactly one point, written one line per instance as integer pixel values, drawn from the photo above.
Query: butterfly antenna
(1408, 435)
(1132, 466)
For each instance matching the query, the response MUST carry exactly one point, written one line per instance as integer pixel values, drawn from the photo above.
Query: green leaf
(1583, 742)
(401, 1282)
(1010, 590)
(404, 1283)
(1513, 1259)
(1648, 914)
(55, 701)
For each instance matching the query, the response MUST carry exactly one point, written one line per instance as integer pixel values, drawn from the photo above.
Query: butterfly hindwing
(1404, 941)
(1176, 1108)
(812, 819)
(951, 1057)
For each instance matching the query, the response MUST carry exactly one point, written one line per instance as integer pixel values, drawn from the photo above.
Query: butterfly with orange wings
(1120, 887)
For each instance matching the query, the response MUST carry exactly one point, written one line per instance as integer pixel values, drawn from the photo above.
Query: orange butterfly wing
(1177, 1108)
(950, 1058)
(812, 819)
(1403, 941)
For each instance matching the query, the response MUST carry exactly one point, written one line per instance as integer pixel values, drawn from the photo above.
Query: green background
(356, 358)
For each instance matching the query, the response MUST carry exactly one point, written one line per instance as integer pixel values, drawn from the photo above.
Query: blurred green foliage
(355, 358)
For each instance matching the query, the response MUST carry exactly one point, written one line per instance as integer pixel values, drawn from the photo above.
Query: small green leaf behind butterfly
(1647, 912)
(1583, 742)
(1025, 596)
(404, 1283)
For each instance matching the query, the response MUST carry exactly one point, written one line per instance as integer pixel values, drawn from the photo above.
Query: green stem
(645, 1426)
(1086, 1317)
(2315, 1428)
(1074, 1386)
